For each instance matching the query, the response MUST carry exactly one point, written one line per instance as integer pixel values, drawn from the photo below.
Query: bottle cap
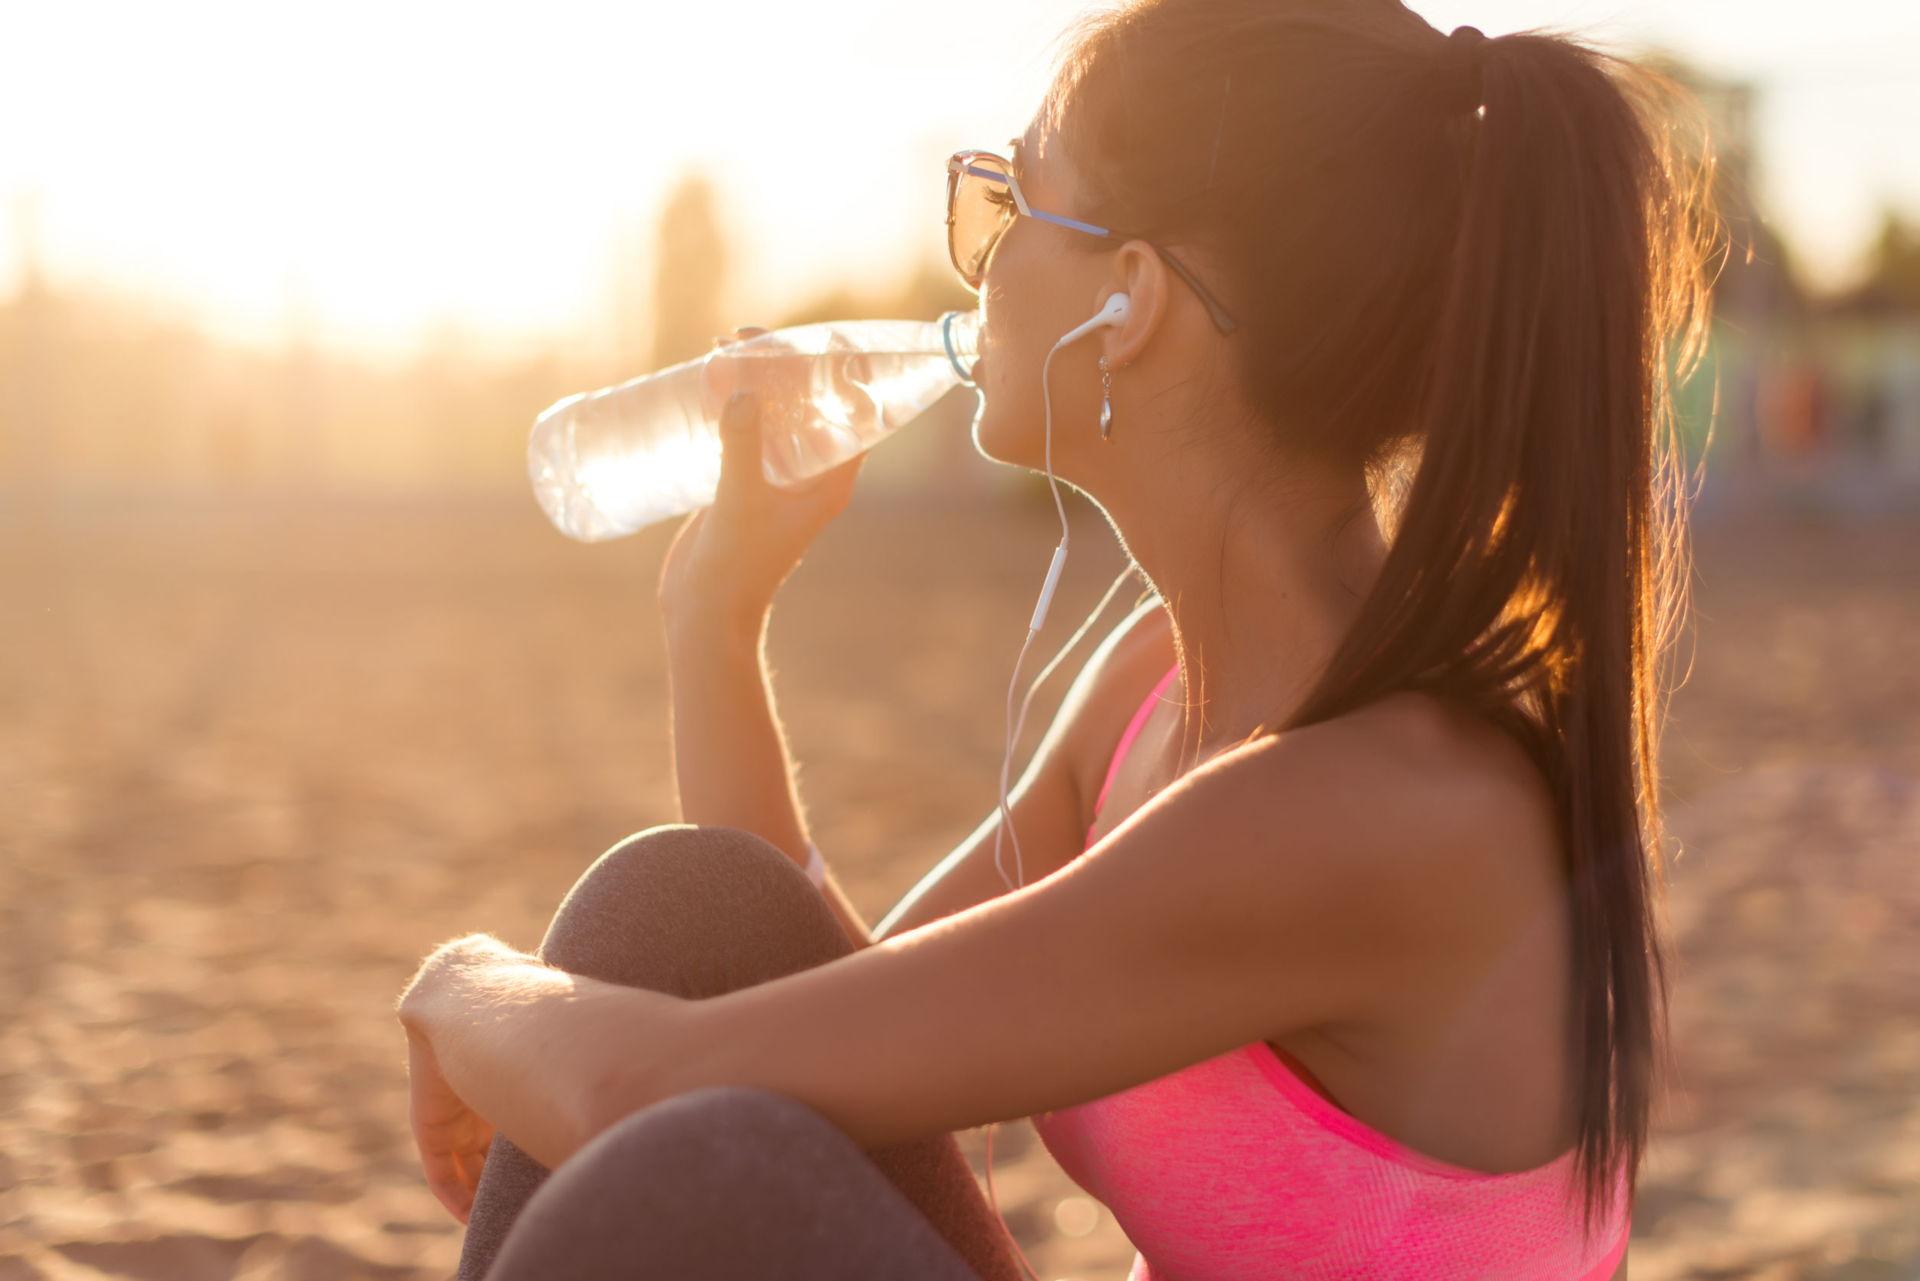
(960, 331)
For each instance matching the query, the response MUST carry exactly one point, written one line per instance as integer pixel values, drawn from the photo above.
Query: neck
(1260, 587)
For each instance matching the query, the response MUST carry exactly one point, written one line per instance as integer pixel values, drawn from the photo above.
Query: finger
(447, 1189)
(463, 1193)
(686, 529)
(457, 1199)
(740, 473)
(473, 1164)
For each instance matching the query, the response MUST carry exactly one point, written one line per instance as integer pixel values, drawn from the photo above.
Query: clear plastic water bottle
(607, 463)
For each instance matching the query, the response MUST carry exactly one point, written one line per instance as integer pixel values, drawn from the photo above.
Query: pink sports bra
(1244, 1168)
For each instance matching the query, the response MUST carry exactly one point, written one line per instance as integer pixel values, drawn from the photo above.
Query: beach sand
(257, 758)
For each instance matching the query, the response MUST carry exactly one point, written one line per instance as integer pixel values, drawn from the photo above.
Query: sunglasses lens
(981, 206)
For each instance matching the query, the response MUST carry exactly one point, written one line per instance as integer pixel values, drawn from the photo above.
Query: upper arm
(1198, 924)
(1049, 804)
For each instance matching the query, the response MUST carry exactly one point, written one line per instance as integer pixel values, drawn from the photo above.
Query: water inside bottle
(817, 411)
(609, 462)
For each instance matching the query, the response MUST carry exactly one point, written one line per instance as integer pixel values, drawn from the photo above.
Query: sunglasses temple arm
(1224, 322)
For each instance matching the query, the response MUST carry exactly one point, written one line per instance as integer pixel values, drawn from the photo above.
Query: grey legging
(726, 1182)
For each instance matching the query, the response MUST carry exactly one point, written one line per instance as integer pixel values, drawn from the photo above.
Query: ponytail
(1532, 571)
(1472, 254)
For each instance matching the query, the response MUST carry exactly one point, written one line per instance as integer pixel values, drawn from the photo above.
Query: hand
(729, 559)
(453, 1139)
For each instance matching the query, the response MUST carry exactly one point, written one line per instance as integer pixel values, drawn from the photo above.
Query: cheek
(1009, 421)
(1010, 294)
(1009, 345)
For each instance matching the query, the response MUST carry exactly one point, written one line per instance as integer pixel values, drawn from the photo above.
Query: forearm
(730, 758)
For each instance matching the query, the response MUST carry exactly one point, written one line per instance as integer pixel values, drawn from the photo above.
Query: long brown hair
(1479, 265)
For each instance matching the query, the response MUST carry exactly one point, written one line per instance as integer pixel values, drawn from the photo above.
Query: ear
(1146, 280)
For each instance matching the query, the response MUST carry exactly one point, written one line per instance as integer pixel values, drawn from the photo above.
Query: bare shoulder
(1140, 645)
(1416, 802)
(1116, 677)
(1456, 773)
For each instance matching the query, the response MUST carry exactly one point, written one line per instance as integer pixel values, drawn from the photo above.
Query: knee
(695, 866)
(720, 1142)
(718, 1127)
(668, 1185)
(693, 909)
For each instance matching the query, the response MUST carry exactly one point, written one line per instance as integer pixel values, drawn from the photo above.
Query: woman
(1359, 973)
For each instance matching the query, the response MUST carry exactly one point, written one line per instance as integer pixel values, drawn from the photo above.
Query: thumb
(740, 467)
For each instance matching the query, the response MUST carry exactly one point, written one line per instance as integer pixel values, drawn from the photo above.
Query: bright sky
(380, 168)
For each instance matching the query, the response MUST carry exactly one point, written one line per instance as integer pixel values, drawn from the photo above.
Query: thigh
(698, 911)
(726, 1183)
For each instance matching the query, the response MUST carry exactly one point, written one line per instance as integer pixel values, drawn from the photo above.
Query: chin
(983, 438)
(1005, 442)
(1013, 433)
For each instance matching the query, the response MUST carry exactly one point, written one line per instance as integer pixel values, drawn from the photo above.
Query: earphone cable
(1013, 738)
(1015, 725)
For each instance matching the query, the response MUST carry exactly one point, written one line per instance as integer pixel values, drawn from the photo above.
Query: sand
(257, 757)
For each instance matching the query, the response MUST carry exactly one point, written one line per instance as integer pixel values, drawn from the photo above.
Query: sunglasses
(983, 199)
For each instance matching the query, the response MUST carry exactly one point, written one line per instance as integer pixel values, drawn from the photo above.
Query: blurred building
(1798, 397)
(1810, 400)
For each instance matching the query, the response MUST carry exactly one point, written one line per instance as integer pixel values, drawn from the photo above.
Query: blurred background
(298, 681)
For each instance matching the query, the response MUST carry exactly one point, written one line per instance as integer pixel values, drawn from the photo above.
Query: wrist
(423, 995)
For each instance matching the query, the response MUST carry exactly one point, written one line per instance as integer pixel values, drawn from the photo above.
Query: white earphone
(1112, 312)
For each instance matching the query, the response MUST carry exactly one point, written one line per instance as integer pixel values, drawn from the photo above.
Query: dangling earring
(1106, 400)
